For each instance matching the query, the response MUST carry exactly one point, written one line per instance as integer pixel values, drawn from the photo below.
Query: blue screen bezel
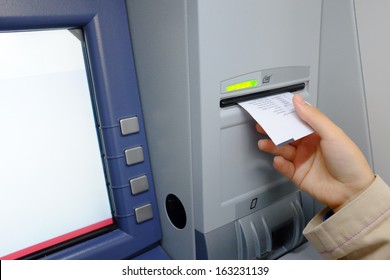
(108, 43)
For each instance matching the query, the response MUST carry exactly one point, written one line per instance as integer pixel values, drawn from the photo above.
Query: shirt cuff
(335, 237)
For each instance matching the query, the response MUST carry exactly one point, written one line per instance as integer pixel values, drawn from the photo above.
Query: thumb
(315, 118)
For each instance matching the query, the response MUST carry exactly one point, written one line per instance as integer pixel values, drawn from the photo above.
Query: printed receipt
(276, 114)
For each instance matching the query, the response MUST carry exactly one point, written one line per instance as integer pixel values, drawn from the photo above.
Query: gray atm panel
(207, 168)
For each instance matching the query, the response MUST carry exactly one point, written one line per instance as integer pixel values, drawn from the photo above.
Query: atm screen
(53, 186)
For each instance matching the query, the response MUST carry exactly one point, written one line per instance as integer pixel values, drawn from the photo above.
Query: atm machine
(218, 195)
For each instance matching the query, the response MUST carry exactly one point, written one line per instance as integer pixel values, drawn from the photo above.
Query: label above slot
(270, 78)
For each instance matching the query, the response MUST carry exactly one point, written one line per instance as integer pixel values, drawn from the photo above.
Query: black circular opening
(175, 210)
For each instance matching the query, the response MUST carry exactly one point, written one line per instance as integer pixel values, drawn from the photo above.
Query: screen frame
(115, 89)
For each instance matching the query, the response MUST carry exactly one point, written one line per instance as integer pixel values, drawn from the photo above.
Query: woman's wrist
(355, 192)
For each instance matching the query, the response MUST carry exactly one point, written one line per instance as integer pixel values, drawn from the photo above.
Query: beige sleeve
(360, 230)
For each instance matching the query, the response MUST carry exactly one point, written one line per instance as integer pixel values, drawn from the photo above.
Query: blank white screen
(51, 175)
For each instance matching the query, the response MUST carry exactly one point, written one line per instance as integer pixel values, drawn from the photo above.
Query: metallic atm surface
(354, 70)
(218, 195)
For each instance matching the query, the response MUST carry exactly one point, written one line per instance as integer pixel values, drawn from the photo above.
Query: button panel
(143, 213)
(139, 184)
(134, 155)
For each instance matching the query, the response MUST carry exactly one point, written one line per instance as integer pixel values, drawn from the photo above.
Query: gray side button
(139, 184)
(134, 155)
(143, 213)
(129, 125)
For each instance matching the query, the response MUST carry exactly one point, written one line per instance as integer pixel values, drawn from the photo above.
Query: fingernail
(260, 144)
(299, 100)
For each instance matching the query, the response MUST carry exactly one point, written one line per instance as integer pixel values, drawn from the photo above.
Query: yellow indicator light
(242, 85)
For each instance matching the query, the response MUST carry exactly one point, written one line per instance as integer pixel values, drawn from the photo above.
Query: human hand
(326, 164)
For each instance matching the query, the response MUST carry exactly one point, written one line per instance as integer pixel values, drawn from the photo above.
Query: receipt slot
(219, 197)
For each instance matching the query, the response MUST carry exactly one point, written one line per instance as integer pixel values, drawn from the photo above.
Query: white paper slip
(276, 114)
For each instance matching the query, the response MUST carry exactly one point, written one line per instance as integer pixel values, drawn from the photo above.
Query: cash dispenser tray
(235, 100)
(271, 232)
